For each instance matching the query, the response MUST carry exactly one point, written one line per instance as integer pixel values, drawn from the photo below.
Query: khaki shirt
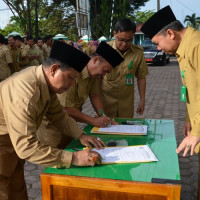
(23, 61)
(5, 59)
(77, 95)
(33, 51)
(89, 51)
(46, 50)
(117, 97)
(188, 55)
(15, 53)
(24, 101)
(41, 58)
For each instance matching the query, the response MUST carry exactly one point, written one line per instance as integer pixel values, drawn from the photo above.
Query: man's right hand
(103, 121)
(86, 158)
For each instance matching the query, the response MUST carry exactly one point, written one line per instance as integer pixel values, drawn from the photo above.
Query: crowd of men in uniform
(17, 54)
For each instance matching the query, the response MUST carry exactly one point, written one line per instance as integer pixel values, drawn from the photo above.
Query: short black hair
(11, 36)
(17, 37)
(50, 61)
(175, 25)
(47, 37)
(2, 39)
(39, 38)
(125, 25)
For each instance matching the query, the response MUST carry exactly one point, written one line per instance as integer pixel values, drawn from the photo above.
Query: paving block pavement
(162, 102)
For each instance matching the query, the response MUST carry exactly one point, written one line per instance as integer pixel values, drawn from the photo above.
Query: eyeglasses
(123, 40)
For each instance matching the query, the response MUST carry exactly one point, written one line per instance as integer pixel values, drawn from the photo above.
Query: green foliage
(193, 21)
(142, 16)
(57, 17)
(10, 28)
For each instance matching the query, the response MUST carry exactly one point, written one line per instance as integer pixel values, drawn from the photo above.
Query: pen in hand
(111, 120)
(101, 111)
(75, 149)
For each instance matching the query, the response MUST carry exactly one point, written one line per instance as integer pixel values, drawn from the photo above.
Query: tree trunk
(29, 18)
(36, 19)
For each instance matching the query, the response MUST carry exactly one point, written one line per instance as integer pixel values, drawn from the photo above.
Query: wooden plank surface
(62, 187)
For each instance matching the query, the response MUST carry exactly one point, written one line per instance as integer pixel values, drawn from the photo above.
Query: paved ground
(162, 102)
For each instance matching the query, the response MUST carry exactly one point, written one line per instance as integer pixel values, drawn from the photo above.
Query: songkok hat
(158, 21)
(109, 54)
(69, 55)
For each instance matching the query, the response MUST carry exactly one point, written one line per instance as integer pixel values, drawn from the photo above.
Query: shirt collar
(185, 42)
(85, 73)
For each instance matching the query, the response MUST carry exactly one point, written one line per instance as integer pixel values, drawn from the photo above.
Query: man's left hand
(140, 108)
(87, 140)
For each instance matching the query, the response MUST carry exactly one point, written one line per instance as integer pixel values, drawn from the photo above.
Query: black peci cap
(109, 54)
(69, 55)
(158, 21)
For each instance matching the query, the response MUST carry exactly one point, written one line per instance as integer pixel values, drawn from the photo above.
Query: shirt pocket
(114, 75)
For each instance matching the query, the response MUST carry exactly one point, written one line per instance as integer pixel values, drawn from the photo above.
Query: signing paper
(127, 154)
(122, 129)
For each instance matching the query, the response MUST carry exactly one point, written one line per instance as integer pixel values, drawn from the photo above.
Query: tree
(57, 17)
(142, 16)
(193, 21)
(122, 9)
(54, 16)
(19, 11)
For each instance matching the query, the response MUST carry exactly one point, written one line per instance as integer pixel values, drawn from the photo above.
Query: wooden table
(121, 181)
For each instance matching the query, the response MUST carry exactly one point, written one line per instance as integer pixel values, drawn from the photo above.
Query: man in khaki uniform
(25, 42)
(48, 41)
(90, 49)
(39, 44)
(33, 52)
(23, 59)
(25, 99)
(102, 62)
(15, 53)
(170, 36)
(5, 60)
(117, 87)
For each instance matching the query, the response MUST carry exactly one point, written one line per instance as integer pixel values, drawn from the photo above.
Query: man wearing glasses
(117, 87)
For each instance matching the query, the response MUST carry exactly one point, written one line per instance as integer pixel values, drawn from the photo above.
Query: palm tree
(193, 21)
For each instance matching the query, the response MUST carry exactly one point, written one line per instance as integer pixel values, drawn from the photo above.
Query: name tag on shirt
(129, 79)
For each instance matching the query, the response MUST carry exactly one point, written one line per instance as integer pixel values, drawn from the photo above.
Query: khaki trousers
(12, 183)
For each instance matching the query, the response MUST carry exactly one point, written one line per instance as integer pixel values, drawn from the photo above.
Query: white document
(127, 154)
(142, 129)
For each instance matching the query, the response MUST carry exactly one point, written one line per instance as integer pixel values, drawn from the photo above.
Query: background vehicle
(153, 55)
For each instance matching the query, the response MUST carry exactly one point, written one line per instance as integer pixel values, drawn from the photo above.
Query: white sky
(181, 8)
(4, 15)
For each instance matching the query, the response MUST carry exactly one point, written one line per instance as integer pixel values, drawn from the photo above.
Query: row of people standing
(17, 55)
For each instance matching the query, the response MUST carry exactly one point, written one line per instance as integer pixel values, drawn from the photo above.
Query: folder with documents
(121, 130)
